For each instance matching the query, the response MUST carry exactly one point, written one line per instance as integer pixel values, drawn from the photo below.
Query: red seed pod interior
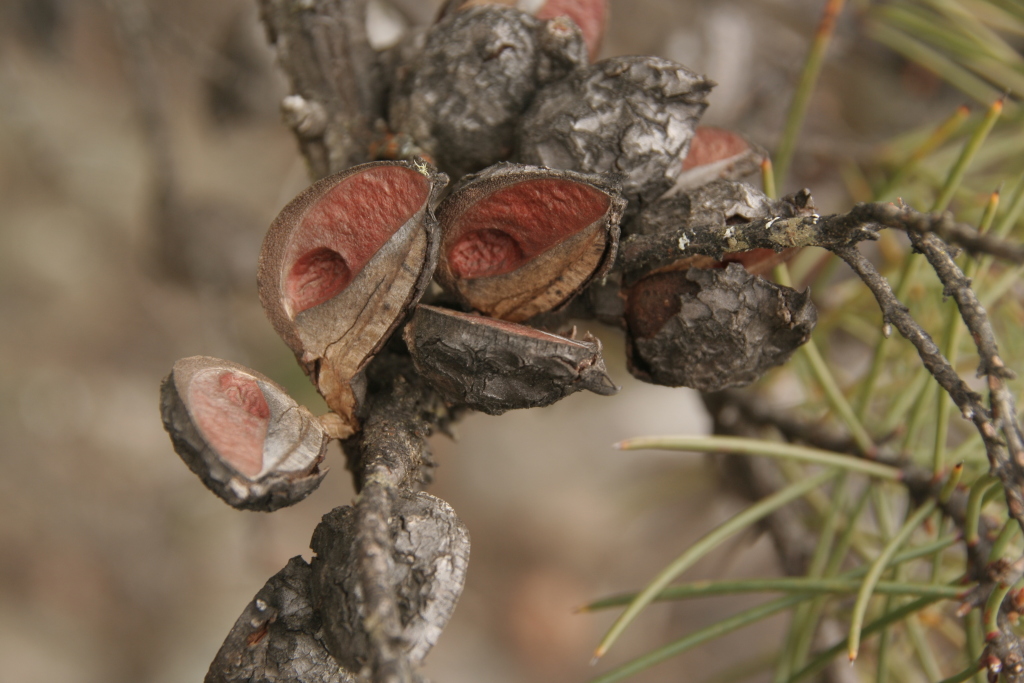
(344, 228)
(713, 144)
(521, 240)
(232, 413)
(343, 263)
(515, 224)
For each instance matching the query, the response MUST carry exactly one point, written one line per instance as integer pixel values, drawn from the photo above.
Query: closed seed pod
(279, 637)
(461, 95)
(591, 16)
(519, 240)
(342, 266)
(494, 366)
(426, 572)
(719, 154)
(242, 434)
(713, 329)
(629, 115)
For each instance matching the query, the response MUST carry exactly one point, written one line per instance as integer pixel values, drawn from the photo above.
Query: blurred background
(127, 125)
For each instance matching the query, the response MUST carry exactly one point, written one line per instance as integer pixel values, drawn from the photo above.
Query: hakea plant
(583, 190)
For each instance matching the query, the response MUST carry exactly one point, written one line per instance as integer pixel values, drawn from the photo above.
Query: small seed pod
(343, 264)
(242, 434)
(591, 16)
(427, 572)
(494, 366)
(518, 240)
(631, 115)
(718, 154)
(461, 95)
(713, 329)
(279, 637)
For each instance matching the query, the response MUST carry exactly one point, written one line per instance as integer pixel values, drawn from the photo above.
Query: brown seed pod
(631, 115)
(343, 264)
(591, 16)
(717, 154)
(494, 366)
(427, 572)
(461, 95)
(242, 434)
(713, 329)
(519, 240)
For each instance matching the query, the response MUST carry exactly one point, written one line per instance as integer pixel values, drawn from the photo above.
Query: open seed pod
(494, 366)
(713, 329)
(631, 115)
(591, 16)
(460, 96)
(719, 154)
(279, 637)
(342, 266)
(427, 572)
(242, 434)
(519, 240)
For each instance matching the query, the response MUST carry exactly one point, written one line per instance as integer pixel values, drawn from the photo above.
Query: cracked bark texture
(628, 115)
(461, 96)
(713, 329)
(279, 638)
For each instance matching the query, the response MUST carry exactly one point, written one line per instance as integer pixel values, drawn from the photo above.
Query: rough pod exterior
(591, 16)
(341, 267)
(461, 95)
(242, 434)
(628, 115)
(427, 572)
(494, 366)
(520, 240)
(713, 329)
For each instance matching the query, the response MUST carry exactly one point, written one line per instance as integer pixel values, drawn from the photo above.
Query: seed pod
(632, 115)
(519, 240)
(494, 366)
(718, 154)
(279, 637)
(427, 572)
(713, 329)
(591, 16)
(343, 264)
(242, 434)
(461, 95)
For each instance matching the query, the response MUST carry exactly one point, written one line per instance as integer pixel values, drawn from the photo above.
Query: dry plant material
(494, 366)
(629, 115)
(713, 329)
(461, 95)
(704, 210)
(343, 264)
(719, 154)
(426, 571)
(591, 16)
(519, 240)
(279, 637)
(242, 434)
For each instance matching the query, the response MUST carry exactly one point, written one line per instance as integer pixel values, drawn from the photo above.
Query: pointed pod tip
(853, 656)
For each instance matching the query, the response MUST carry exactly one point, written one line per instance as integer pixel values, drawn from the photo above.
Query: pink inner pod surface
(507, 228)
(589, 15)
(230, 410)
(713, 144)
(342, 231)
